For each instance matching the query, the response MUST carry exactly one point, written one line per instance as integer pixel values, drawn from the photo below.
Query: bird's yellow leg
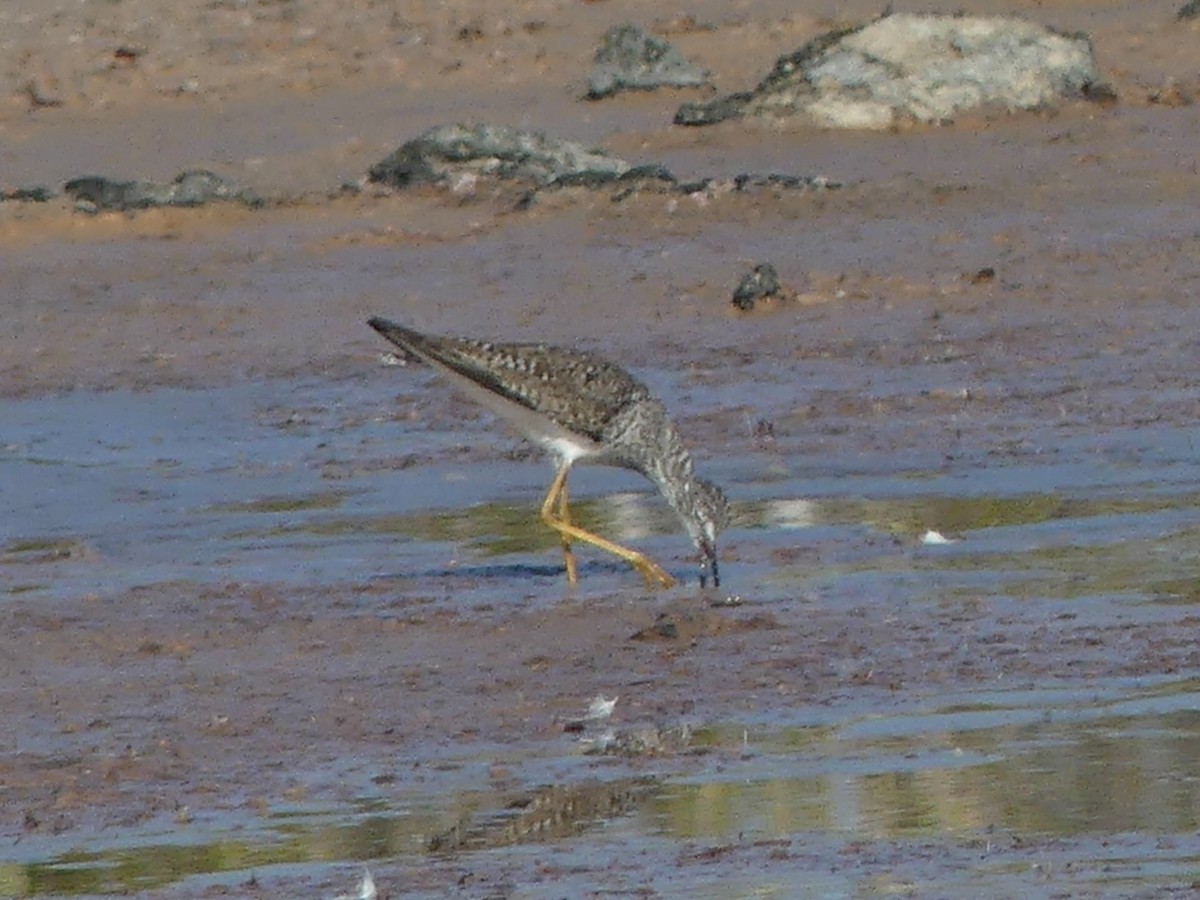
(564, 515)
(560, 522)
(557, 496)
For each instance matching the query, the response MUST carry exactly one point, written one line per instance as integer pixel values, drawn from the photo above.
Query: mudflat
(274, 611)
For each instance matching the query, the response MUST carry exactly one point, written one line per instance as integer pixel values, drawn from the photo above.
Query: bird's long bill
(708, 563)
(406, 339)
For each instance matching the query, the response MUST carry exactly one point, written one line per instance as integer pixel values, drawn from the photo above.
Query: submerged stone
(446, 153)
(632, 59)
(191, 188)
(924, 68)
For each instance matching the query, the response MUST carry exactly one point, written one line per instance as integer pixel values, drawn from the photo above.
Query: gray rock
(448, 153)
(191, 188)
(1189, 10)
(631, 59)
(456, 156)
(924, 68)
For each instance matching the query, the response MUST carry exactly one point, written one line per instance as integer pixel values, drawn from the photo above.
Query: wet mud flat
(274, 611)
(912, 744)
(259, 663)
(853, 736)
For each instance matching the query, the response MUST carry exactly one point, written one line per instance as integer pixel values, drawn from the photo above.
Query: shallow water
(1114, 760)
(1040, 763)
(312, 484)
(317, 483)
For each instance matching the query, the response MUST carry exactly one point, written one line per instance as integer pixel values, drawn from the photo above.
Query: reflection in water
(1044, 773)
(1110, 539)
(1017, 767)
(546, 814)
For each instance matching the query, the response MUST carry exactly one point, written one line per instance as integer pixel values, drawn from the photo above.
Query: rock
(191, 188)
(448, 153)
(760, 284)
(631, 59)
(1189, 10)
(653, 173)
(37, 193)
(457, 156)
(655, 179)
(924, 68)
(750, 182)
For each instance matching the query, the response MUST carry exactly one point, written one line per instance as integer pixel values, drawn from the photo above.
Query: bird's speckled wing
(577, 391)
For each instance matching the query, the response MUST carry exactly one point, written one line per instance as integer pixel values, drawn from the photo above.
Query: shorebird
(580, 408)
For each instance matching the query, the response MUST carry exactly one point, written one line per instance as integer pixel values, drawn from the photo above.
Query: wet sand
(272, 608)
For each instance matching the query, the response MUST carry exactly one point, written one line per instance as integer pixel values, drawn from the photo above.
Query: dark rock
(449, 152)
(791, 182)
(457, 155)
(760, 284)
(407, 167)
(38, 193)
(192, 188)
(1189, 10)
(103, 193)
(592, 180)
(651, 176)
(714, 111)
(630, 58)
(650, 172)
(749, 183)
(658, 180)
(924, 68)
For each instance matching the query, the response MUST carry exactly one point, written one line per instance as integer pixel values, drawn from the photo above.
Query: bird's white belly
(567, 449)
